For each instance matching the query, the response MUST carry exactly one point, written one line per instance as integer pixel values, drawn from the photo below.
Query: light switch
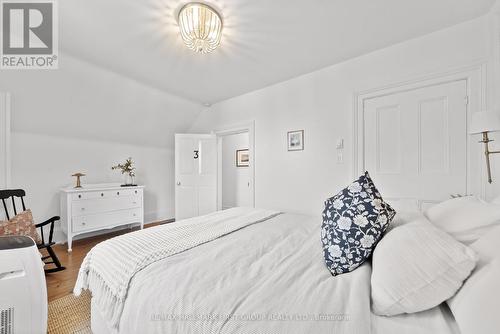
(340, 144)
(340, 150)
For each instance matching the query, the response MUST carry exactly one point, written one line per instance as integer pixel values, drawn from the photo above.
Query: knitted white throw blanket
(109, 267)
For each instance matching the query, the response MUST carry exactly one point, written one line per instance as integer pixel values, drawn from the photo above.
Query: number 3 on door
(196, 154)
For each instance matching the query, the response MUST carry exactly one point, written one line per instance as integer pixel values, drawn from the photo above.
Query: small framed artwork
(242, 158)
(296, 140)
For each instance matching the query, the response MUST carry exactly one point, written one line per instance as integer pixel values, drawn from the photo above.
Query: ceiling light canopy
(200, 26)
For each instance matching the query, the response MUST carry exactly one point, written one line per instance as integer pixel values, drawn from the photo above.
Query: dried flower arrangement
(127, 168)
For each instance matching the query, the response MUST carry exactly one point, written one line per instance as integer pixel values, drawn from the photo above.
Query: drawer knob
(136, 191)
(134, 214)
(83, 209)
(102, 194)
(79, 196)
(83, 223)
(118, 193)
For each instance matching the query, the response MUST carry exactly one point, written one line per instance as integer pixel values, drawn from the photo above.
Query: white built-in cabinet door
(195, 175)
(415, 142)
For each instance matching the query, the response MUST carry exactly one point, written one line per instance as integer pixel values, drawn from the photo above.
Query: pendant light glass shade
(200, 26)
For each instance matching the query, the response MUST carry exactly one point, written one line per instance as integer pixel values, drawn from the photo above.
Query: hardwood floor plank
(61, 283)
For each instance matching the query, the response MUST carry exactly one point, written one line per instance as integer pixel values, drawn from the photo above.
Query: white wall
(85, 118)
(4, 140)
(42, 172)
(81, 100)
(322, 103)
(235, 190)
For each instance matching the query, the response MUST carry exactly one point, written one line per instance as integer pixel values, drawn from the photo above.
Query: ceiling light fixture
(200, 26)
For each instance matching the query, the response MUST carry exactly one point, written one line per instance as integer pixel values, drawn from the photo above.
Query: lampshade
(485, 121)
(200, 26)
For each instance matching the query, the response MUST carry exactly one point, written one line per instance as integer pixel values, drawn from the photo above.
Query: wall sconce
(482, 123)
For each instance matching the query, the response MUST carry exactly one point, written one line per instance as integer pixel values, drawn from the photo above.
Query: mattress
(266, 278)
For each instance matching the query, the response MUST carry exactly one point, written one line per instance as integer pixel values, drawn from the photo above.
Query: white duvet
(268, 277)
(265, 278)
(110, 266)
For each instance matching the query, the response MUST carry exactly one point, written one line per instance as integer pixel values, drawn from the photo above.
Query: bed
(266, 277)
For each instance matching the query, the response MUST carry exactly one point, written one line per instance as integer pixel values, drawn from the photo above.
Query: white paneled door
(415, 142)
(195, 175)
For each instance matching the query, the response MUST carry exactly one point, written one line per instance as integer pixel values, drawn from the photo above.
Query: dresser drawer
(127, 192)
(84, 195)
(106, 194)
(92, 206)
(109, 219)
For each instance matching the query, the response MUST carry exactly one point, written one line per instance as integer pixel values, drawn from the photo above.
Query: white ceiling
(264, 41)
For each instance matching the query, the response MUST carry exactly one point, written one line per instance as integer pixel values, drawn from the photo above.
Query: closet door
(416, 142)
(195, 175)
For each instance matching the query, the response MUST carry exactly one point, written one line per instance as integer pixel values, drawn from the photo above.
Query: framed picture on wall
(242, 158)
(296, 140)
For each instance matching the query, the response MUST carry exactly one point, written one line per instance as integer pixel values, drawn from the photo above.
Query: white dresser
(99, 207)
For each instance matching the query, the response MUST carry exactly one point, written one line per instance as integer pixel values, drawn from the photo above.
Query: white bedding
(270, 277)
(437, 320)
(110, 266)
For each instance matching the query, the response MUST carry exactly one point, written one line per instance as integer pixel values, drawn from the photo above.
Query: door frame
(476, 79)
(5, 130)
(233, 130)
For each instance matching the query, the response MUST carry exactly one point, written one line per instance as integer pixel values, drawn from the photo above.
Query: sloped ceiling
(264, 41)
(81, 100)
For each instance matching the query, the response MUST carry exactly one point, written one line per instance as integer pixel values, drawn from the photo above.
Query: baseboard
(63, 239)
(156, 216)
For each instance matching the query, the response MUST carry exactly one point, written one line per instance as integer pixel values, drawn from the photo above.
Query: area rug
(70, 314)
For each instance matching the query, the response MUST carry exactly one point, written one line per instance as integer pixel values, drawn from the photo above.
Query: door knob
(178, 183)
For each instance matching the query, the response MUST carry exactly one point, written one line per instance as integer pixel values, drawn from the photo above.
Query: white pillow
(465, 218)
(416, 267)
(496, 200)
(475, 306)
(403, 217)
(406, 211)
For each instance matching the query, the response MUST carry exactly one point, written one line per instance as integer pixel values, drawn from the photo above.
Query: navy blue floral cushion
(354, 221)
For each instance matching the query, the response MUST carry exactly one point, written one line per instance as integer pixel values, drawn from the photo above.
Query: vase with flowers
(128, 170)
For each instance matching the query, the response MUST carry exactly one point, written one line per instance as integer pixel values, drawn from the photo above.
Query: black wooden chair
(50, 259)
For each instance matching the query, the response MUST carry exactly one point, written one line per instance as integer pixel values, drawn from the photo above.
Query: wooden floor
(61, 283)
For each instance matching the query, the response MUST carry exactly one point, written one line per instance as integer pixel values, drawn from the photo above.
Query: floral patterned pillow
(20, 224)
(354, 221)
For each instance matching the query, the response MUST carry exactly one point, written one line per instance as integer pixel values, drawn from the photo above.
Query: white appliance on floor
(23, 293)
